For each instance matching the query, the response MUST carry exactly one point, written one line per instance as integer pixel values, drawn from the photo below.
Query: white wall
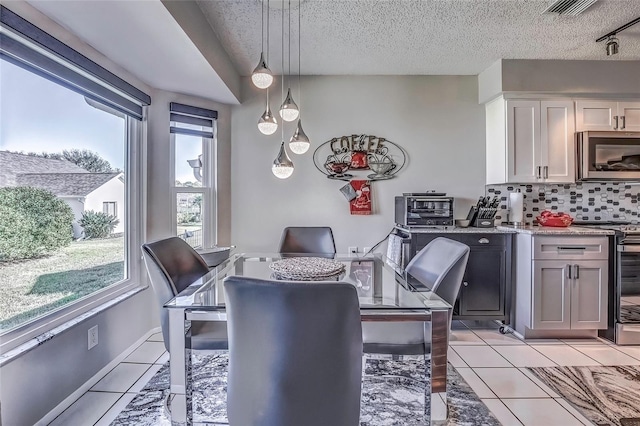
(611, 78)
(437, 119)
(110, 191)
(77, 207)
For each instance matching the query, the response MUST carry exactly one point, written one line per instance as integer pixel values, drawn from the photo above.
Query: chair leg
(189, 385)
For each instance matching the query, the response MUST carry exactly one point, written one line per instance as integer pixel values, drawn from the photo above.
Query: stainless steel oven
(608, 156)
(624, 284)
(627, 331)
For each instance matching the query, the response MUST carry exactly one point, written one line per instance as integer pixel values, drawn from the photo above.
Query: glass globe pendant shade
(282, 166)
(261, 76)
(289, 109)
(267, 123)
(299, 143)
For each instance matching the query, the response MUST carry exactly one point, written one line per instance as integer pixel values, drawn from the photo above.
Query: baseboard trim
(66, 403)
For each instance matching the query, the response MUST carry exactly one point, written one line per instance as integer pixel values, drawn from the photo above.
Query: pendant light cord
(268, 30)
(299, 56)
(262, 25)
(282, 85)
(289, 49)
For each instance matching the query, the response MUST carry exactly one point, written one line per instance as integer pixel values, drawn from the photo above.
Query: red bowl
(558, 222)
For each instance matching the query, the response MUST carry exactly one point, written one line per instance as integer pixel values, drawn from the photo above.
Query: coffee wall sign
(360, 157)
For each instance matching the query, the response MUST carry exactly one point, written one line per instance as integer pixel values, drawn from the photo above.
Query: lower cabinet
(486, 288)
(565, 294)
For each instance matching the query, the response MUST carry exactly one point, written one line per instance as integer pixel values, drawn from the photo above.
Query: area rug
(386, 401)
(604, 395)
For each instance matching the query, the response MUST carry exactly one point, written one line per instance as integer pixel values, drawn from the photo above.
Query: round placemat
(306, 268)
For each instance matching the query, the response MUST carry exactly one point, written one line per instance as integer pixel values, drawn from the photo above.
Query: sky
(37, 115)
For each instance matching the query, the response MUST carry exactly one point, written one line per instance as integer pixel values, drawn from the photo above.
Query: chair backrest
(307, 240)
(295, 353)
(172, 265)
(440, 266)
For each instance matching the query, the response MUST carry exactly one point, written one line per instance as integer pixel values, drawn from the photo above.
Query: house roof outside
(13, 164)
(61, 177)
(66, 184)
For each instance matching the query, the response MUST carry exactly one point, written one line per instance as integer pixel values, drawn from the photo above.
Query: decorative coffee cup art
(337, 168)
(381, 167)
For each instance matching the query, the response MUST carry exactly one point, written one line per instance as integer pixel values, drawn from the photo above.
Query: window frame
(135, 209)
(106, 207)
(208, 188)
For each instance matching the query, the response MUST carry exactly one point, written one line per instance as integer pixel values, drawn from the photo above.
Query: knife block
(477, 222)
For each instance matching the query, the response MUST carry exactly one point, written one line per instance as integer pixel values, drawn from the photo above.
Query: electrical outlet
(93, 336)
(366, 250)
(353, 250)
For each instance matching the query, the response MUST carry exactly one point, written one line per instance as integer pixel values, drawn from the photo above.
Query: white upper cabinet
(630, 113)
(607, 115)
(530, 141)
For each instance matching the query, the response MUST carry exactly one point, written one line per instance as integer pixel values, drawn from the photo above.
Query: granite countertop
(547, 230)
(458, 230)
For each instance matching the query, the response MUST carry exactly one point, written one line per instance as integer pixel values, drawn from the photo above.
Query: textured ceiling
(421, 37)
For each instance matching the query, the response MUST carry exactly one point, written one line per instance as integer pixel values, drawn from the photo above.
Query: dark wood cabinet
(485, 293)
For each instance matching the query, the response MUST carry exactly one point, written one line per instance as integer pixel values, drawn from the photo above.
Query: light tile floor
(494, 365)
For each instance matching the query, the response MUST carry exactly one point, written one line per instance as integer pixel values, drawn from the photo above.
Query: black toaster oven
(427, 210)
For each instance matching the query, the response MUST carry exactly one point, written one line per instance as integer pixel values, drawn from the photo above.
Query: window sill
(44, 337)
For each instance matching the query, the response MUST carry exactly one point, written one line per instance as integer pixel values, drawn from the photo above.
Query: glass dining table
(385, 295)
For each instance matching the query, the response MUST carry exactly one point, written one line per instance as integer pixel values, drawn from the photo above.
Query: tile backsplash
(584, 201)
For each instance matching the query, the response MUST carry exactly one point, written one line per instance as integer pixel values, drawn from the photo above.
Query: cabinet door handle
(565, 248)
(464, 283)
(538, 172)
(576, 274)
(483, 241)
(568, 267)
(615, 117)
(546, 172)
(623, 122)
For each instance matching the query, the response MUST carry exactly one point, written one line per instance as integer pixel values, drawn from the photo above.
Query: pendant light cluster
(289, 110)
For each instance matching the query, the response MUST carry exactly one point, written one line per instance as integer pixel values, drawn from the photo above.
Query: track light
(612, 45)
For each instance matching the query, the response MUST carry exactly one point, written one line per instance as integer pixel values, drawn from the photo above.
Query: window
(109, 207)
(69, 148)
(192, 155)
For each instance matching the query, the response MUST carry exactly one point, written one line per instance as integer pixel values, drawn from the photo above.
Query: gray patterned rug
(385, 401)
(604, 395)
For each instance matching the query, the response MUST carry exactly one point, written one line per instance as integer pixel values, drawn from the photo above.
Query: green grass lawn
(31, 288)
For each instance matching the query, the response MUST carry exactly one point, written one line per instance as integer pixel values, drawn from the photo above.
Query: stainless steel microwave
(603, 156)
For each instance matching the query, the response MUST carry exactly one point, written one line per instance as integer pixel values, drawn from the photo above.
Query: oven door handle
(629, 248)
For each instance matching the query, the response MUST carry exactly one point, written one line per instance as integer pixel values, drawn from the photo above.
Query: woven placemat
(306, 268)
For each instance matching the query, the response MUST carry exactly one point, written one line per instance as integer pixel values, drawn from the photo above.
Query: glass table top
(378, 284)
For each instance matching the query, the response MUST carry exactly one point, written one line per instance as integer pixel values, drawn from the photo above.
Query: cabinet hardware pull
(538, 172)
(577, 272)
(483, 241)
(623, 122)
(562, 248)
(629, 248)
(546, 172)
(615, 117)
(464, 283)
(568, 271)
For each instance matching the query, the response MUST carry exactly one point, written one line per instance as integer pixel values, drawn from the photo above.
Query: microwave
(426, 210)
(605, 156)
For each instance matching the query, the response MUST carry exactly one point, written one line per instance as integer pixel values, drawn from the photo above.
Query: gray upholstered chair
(440, 267)
(295, 353)
(300, 240)
(172, 266)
